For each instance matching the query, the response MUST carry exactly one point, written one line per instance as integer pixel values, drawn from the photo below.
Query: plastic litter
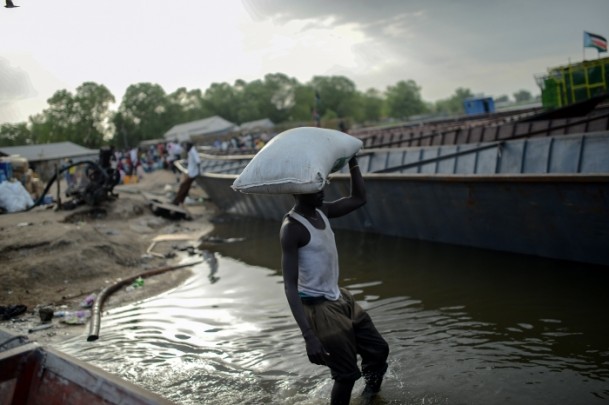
(14, 197)
(73, 317)
(137, 283)
(88, 301)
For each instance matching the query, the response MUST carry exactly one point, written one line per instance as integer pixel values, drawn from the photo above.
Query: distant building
(43, 158)
(202, 130)
(257, 126)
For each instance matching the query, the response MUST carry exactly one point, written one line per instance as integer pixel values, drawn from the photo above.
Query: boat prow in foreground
(33, 374)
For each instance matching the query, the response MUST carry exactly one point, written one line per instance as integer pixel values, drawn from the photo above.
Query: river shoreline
(56, 258)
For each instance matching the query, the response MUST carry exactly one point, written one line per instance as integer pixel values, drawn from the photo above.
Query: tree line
(146, 111)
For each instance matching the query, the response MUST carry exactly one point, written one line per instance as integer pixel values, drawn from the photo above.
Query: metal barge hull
(547, 197)
(560, 217)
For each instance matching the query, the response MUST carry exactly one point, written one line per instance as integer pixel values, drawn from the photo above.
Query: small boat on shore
(34, 374)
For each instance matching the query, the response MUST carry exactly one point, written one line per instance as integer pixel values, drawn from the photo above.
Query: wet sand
(56, 258)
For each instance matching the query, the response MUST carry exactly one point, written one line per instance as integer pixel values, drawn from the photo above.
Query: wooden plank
(161, 206)
(170, 209)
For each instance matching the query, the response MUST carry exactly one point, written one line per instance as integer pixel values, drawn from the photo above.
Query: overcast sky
(492, 47)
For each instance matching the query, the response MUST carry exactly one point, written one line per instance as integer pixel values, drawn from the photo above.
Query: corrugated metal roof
(47, 151)
(258, 124)
(207, 126)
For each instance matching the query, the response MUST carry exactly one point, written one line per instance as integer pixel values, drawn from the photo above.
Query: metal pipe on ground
(95, 325)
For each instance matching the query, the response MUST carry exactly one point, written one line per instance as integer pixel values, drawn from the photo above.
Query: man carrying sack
(335, 328)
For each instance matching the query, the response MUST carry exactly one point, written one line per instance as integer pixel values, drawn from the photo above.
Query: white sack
(297, 161)
(14, 197)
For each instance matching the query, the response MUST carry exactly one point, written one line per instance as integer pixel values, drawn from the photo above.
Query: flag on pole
(595, 41)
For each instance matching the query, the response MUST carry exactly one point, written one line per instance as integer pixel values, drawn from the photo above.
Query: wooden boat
(33, 374)
(546, 196)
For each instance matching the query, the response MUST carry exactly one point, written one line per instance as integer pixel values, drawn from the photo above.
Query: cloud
(15, 83)
(487, 46)
(493, 47)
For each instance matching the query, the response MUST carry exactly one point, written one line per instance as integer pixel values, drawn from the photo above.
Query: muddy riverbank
(56, 258)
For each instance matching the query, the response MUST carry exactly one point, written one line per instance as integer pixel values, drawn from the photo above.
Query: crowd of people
(249, 142)
(134, 163)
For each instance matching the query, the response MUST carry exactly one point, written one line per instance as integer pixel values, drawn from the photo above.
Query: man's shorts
(346, 330)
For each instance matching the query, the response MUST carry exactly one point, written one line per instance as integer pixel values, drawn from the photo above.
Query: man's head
(315, 200)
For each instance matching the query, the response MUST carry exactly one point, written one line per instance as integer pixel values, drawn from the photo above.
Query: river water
(464, 326)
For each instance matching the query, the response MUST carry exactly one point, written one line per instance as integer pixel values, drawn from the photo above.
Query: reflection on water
(464, 326)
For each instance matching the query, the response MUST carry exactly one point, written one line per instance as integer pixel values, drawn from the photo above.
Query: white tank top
(318, 261)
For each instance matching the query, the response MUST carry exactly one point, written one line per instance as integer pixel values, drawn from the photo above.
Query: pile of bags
(14, 197)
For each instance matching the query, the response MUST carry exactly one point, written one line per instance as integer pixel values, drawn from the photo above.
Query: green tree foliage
(454, 104)
(373, 105)
(93, 110)
(337, 94)
(281, 97)
(404, 100)
(223, 100)
(145, 113)
(273, 98)
(253, 98)
(187, 105)
(122, 127)
(15, 135)
(522, 96)
(54, 123)
(304, 102)
(83, 117)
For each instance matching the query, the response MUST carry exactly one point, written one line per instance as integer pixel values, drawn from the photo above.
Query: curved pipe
(106, 292)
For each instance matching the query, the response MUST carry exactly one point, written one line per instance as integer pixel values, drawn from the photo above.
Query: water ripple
(234, 340)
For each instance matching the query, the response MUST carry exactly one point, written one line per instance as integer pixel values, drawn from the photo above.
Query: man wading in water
(335, 328)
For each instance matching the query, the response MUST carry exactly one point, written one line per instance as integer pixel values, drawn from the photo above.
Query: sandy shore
(55, 258)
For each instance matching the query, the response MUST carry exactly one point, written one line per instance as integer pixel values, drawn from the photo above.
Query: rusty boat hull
(34, 374)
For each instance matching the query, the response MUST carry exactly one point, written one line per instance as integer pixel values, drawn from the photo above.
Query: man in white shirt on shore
(194, 160)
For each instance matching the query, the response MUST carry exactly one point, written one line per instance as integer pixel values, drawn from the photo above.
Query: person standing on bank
(194, 160)
(335, 328)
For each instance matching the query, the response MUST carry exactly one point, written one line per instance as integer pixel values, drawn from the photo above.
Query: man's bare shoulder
(288, 224)
(292, 231)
